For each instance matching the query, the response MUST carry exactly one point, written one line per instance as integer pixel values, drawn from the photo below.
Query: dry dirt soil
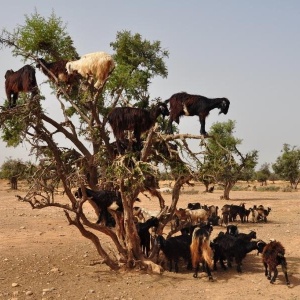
(42, 257)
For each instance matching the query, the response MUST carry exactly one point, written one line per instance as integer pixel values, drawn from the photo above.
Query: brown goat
(273, 255)
(58, 69)
(22, 80)
(136, 119)
(183, 104)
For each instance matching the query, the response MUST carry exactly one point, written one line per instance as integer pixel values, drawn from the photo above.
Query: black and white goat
(144, 234)
(104, 200)
(183, 104)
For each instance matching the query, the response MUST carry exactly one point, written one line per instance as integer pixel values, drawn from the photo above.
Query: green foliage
(16, 167)
(287, 189)
(138, 62)
(273, 177)
(43, 37)
(247, 174)
(269, 188)
(223, 161)
(287, 166)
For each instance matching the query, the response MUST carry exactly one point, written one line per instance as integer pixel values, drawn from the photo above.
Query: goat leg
(266, 269)
(170, 265)
(207, 269)
(274, 276)
(284, 270)
(195, 275)
(176, 265)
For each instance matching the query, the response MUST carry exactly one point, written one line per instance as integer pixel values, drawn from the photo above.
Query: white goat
(197, 215)
(165, 190)
(95, 66)
(148, 214)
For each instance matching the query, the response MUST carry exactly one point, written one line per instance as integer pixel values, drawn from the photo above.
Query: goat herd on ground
(193, 245)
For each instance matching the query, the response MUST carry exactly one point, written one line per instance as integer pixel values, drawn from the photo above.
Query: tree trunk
(227, 188)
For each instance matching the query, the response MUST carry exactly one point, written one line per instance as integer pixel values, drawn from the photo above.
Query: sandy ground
(42, 257)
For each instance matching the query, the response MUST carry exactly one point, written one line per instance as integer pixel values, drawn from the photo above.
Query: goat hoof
(288, 283)
(195, 275)
(210, 278)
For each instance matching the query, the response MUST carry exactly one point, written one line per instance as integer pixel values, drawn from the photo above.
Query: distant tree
(263, 174)
(247, 175)
(287, 166)
(14, 170)
(222, 160)
(273, 177)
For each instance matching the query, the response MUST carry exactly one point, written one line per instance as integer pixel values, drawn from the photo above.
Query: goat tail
(194, 247)
(167, 101)
(207, 252)
(201, 251)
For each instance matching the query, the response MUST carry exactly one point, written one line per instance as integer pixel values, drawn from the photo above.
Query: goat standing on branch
(56, 71)
(183, 104)
(95, 67)
(136, 119)
(22, 80)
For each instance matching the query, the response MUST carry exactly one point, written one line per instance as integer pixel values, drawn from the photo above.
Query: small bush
(240, 188)
(287, 189)
(268, 188)
(189, 192)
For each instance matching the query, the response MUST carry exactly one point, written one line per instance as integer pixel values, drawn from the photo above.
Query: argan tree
(263, 174)
(16, 169)
(74, 147)
(223, 163)
(287, 166)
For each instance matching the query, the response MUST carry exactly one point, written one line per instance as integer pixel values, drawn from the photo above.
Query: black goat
(183, 104)
(201, 251)
(247, 236)
(174, 248)
(237, 210)
(136, 119)
(144, 234)
(227, 247)
(104, 200)
(194, 205)
(273, 255)
(232, 230)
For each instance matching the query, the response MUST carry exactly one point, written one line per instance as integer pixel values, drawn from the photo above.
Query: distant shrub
(268, 188)
(219, 187)
(287, 188)
(240, 188)
(189, 192)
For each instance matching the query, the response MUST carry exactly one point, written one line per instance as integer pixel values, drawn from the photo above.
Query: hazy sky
(246, 51)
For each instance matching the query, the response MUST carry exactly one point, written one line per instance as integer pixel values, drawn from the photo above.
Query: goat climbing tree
(81, 119)
(73, 146)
